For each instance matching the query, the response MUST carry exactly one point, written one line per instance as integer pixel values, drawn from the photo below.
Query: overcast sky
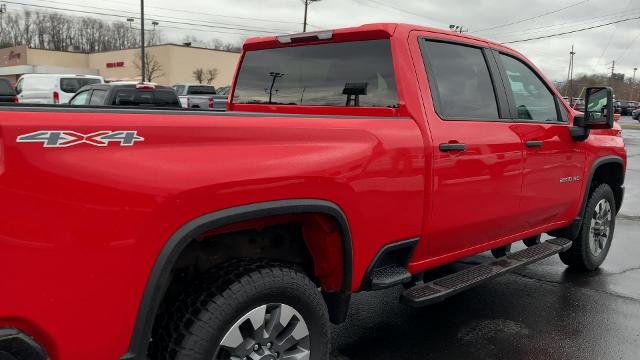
(595, 48)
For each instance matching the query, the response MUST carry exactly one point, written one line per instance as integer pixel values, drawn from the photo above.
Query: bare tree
(212, 74)
(58, 31)
(152, 67)
(198, 75)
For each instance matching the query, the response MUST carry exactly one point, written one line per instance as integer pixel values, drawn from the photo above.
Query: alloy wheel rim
(600, 228)
(268, 332)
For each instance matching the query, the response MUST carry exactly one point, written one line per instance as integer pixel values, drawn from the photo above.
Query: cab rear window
(146, 98)
(202, 90)
(338, 74)
(72, 85)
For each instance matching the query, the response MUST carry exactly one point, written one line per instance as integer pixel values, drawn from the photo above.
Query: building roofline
(133, 48)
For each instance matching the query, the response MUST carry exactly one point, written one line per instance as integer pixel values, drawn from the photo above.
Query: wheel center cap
(268, 357)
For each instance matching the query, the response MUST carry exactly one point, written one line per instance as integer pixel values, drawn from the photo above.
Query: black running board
(440, 289)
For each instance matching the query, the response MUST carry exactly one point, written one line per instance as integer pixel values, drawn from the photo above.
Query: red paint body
(82, 226)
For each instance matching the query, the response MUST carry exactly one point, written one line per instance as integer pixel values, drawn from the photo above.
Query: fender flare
(596, 164)
(573, 229)
(159, 277)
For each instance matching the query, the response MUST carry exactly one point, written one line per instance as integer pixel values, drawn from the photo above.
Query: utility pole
(275, 76)
(633, 83)
(613, 68)
(306, 11)
(142, 54)
(570, 76)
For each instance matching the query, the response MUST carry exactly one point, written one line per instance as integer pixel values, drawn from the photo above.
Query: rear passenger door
(553, 163)
(477, 155)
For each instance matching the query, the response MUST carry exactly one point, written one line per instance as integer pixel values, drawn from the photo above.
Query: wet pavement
(543, 311)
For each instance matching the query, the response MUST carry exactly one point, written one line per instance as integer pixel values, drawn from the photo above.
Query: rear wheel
(592, 245)
(249, 310)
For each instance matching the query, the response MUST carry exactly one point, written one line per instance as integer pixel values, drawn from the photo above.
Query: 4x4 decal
(62, 138)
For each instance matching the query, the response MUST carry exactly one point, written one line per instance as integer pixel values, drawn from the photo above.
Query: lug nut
(269, 345)
(256, 347)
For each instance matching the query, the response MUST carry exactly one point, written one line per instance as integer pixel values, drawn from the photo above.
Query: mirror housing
(579, 132)
(599, 110)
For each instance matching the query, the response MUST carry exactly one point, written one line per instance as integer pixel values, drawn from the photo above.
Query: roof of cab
(363, 32)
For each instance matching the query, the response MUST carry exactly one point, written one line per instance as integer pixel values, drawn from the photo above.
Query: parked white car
(50, 88)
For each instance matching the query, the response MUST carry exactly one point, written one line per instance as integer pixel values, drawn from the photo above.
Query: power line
(153, 15)
(536, 29)
(119, 16)
(210, 14)
(613, 33)
(626, 49)
(379, 3)
(533, 17)
(571, 32)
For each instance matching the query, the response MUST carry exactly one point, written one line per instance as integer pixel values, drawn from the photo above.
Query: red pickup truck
(350, 160)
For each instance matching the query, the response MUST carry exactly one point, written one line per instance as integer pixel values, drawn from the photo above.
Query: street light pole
(142, 54)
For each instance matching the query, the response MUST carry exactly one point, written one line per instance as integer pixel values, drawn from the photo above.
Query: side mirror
(599, 110)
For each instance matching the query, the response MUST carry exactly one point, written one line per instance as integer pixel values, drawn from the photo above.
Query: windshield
(340, 74)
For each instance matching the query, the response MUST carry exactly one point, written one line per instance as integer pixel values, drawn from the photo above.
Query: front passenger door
(553, 163)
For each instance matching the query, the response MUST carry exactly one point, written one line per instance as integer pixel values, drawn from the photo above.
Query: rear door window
(98, 97)
(460, 82)
(72, 85)
(339, 74)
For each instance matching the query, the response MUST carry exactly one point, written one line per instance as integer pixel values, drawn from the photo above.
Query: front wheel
(592, 245)
(250, 310)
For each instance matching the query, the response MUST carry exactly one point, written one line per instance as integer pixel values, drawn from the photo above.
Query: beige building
(176, 63)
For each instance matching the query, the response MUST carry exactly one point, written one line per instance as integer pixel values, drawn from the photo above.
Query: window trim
(509, 91)
(381, 110)
(502, 105)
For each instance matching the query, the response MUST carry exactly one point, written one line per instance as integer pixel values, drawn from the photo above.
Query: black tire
(532, 241)
(501, 251)
(204, 315)
(580, 256)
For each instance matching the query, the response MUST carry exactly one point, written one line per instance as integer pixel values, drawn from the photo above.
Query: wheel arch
(610, 170)
(160, 275)
(598, 173)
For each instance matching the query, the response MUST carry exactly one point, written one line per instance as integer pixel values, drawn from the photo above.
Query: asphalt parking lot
(541, 312)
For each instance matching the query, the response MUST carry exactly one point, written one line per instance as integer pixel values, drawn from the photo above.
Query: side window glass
(533, 100)
(460, 82)
(98, 97)
(80, 99)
